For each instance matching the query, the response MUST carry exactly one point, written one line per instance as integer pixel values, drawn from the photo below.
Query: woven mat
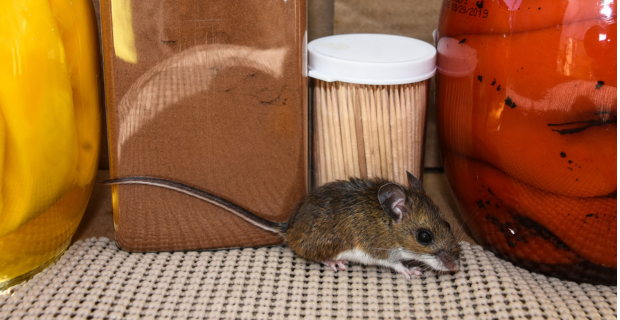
(96, 280)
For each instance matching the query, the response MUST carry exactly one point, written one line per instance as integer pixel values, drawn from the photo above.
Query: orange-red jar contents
(527, 106)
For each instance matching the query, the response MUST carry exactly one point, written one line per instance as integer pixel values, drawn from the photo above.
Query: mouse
(366, 221)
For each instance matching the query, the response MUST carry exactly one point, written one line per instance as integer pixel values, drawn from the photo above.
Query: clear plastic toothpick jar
(369, 98)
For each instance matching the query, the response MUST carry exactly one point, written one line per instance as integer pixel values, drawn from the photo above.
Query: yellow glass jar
(50, 94)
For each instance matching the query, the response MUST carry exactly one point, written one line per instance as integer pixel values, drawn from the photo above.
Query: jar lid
(371, 59)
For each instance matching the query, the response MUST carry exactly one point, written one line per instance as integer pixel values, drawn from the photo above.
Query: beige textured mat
(96, 280)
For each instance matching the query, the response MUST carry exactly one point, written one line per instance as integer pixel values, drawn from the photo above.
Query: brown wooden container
(211, 94)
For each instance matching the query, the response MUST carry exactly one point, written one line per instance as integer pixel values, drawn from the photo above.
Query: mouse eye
(448, 225)
(424, 236)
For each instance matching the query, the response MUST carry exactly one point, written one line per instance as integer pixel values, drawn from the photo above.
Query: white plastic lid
(371, 59)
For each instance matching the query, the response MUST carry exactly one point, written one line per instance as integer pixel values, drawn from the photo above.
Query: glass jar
(212, 94)
(527, 100)
(50, 90)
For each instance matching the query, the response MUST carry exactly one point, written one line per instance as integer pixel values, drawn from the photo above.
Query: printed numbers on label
(478, 12)
(460, 6)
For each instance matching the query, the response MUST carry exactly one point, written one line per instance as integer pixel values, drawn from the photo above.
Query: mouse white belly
(359, 256)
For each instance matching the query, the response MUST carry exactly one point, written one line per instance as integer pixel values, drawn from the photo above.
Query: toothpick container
(369, 97)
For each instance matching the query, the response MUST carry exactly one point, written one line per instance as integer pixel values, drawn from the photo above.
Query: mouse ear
(392, 198)
(414, 183)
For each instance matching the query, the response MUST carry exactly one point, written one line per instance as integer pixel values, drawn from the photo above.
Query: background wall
(411, 18)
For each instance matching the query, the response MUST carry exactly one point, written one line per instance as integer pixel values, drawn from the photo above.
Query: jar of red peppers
(527, 106)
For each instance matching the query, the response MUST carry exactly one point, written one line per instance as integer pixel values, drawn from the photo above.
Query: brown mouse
(368, 221)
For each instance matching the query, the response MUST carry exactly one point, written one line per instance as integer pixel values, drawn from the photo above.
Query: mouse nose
(449, 260)
(455, 266)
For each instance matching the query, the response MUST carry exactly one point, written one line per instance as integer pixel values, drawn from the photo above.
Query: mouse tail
(203, 195)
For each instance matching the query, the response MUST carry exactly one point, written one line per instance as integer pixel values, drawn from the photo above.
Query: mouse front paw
(416, 271)
(402, 270)
(336, 264)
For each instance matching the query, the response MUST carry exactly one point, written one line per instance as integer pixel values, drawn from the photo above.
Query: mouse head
(417, 223)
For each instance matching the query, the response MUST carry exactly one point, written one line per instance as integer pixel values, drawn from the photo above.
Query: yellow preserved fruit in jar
(50, 93)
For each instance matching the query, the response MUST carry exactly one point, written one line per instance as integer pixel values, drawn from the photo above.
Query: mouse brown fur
(339, 214)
